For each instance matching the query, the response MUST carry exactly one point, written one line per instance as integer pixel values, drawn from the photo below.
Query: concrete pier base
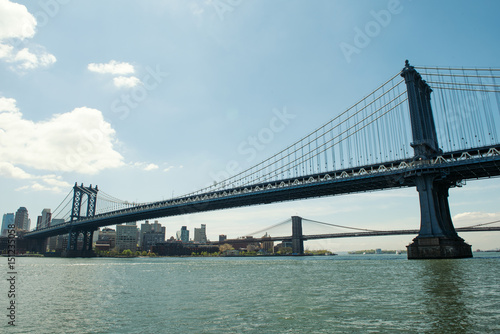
(438, 248)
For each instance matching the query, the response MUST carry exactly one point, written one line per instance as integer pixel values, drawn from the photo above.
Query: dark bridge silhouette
(395, 137)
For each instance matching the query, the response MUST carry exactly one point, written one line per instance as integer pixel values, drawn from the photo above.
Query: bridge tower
(297, 241)
(76, 212)
(437, 237)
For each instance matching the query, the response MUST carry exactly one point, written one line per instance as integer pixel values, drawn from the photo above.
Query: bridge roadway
(347, 235)
(456, 166)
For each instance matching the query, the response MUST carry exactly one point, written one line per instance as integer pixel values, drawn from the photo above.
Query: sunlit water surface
(330, 294)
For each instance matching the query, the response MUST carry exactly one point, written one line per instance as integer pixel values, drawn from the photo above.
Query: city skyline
(152, 111)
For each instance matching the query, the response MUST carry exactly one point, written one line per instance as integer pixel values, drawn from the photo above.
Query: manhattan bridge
(432, 134)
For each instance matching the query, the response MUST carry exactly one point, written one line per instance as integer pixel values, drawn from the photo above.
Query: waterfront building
(8, 219)
(222, 237)
(284, 244)
(244, 243)
(126, 237)
(145, 228)
(107, 237)
(200, 234)
(177, 248)
(152, 238)
(151, 228)
(21, 219)
(267, 245)
(183, 234)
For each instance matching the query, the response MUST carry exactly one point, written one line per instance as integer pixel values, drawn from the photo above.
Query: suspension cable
(341, 226)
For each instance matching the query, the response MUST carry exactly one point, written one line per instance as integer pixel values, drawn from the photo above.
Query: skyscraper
(200, 234)
(21, 220)
(44, 220)
(183, 234)
(8, 219)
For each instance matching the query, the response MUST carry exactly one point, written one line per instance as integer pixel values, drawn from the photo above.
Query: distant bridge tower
(297, 240)
(437, 237)
(76, 213)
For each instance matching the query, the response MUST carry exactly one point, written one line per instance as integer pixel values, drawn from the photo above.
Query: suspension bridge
(394, 137)
(298, 237)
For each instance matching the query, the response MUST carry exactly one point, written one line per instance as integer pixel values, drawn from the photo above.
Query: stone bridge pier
(437, 237)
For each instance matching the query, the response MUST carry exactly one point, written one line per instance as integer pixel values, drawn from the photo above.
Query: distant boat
(398, 252)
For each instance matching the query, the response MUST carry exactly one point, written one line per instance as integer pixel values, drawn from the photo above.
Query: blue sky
(152, 99)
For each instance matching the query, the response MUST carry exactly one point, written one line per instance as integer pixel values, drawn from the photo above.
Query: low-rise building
(177, 248)
(107, 236)
(150, 239)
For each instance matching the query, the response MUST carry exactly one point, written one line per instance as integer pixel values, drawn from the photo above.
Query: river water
(329, 294)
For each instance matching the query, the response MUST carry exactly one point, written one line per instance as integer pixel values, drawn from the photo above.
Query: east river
(320, 294)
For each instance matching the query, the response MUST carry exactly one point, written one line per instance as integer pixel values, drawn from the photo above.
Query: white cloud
(6, 51)
(17, 25)
(145, 166)
(28, 60)
(151, 167)
(7, 104)
(55, 181)
(79, 141)
(52, 182)
(113, 67)
(25, 59)
(472, 218)
(12, 172)
(126, 82)
(40, 187)
(15, 21)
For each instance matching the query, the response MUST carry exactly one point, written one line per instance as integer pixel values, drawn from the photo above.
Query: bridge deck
(456, 166)
(349, 235)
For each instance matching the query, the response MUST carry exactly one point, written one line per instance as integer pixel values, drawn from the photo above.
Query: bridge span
(299, 238)
(394, 137)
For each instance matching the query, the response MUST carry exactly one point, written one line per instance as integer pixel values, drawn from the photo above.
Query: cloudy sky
(153, 99)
